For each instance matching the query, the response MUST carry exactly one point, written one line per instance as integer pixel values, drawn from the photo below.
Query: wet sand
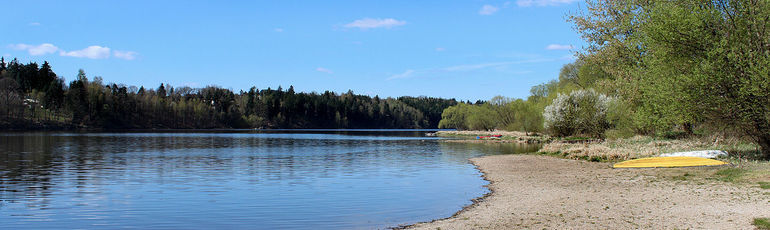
(541, 192)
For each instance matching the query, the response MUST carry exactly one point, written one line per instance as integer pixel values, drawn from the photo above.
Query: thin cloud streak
(528, 3)
(125, 55)
(559, 47)
(405, 74)
(371, 23)
(491, 64)
(488, 10)
(323, 70)
(471, 67)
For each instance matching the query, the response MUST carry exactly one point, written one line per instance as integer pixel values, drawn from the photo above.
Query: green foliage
(530, 116)
(497, 113)
(762, 223)
(431, 107)
(730, 174)
(482, 117)
(43, 98)
(455, 117)
(682, 63)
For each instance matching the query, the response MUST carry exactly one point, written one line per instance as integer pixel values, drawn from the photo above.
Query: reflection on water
(235, 180)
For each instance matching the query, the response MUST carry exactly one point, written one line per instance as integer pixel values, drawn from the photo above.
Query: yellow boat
(668, 162)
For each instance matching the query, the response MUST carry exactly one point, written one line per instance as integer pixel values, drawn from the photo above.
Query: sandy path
(538, 192)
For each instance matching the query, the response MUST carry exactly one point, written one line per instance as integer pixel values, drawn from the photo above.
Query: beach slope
(537, 192)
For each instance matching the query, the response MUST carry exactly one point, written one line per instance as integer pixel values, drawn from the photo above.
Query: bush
(580, 112)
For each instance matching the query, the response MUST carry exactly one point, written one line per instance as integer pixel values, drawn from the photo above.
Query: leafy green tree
(482, 117)
(455, 117)
(681, 63)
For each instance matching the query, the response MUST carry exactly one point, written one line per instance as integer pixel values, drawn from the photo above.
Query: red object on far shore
(482, 137)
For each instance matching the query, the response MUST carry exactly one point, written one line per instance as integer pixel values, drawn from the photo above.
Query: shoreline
(467, 136)
(646, 199)
(474, 202)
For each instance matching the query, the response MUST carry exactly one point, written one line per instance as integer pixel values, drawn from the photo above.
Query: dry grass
(481, 133)
(639, 147)
(508, 136)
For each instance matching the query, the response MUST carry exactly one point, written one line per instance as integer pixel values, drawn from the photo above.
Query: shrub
(580, 112)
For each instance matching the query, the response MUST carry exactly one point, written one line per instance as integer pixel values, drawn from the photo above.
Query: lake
(236, 179)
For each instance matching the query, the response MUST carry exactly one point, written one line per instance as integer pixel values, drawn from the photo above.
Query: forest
(657, 68)
(32, 96)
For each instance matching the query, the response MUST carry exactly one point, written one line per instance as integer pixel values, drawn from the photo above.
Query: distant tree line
(32, 95)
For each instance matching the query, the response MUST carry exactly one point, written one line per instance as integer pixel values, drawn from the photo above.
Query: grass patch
(685, 176)
(577, 138)
(764, 185)
(762, 223)
(730, 174)
(553, 154)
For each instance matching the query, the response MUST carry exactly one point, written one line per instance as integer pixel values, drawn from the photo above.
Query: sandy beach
(541, 192)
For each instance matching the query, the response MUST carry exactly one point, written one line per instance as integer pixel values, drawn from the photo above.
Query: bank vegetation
(668, 70)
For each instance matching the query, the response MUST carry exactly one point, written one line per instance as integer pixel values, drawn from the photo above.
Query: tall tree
(683, 62)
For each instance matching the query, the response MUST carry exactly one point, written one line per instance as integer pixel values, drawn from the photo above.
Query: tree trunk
(764, 144)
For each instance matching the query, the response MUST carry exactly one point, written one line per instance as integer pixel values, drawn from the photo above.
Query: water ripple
(349, 180)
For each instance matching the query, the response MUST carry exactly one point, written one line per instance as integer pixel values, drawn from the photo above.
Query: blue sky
(467, 50)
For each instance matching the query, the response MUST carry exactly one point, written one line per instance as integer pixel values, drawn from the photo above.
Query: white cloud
(323, 70)
(528, 3)
(488, 10)
(370, 23)
(92, 52)
(440, 49)
(569, 57)
(558, 47)
(126, 55)
(34, 24)
(278, 30)
(493, 64)
(474, 66)
(36, 50)
(405, 74)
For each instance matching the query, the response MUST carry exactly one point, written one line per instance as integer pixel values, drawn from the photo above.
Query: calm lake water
(306, 179)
